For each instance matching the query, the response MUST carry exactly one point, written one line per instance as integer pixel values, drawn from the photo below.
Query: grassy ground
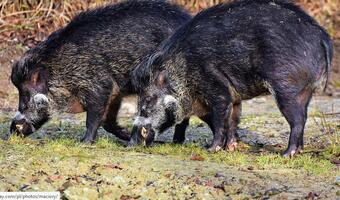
(53, 159)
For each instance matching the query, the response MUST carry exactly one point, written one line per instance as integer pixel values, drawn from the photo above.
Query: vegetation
(30, 21)
(54, 159)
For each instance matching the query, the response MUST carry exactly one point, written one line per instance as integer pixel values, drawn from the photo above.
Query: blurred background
(24, 23)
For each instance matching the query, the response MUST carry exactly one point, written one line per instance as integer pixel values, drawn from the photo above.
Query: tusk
(144, 132)
(19, 127)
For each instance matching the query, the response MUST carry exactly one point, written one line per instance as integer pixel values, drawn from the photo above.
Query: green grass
(62, 160)
(337, 83)
(66, 148)
(316, 165)
(258, 158)
(108, 167)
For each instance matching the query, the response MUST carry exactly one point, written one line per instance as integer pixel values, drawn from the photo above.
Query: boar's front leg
(110, 122)
(93, 121)
(179, 135)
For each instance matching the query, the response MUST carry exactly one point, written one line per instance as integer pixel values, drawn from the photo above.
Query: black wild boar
(229, 53)
(85, 66)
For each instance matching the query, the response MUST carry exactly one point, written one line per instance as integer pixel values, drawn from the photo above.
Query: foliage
(30, 21)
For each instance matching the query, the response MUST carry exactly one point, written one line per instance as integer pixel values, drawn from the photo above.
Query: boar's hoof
(87, 140)
(178, 141)
(6, 136)
(289, 153)
(299, 150)
(232, 146)
(214, 149)
(292, 152)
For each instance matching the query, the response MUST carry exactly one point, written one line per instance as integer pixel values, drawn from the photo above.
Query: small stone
(149, 183)
(219, 174)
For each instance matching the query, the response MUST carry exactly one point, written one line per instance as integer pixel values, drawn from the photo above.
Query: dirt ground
(54, 159)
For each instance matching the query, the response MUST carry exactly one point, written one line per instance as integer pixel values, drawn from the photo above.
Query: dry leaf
(197, 157)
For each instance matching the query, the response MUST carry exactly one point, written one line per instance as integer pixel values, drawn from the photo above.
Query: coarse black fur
(85, 66)
(238, 51)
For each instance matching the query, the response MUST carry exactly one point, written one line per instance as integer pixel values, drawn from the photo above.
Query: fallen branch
(335, 113)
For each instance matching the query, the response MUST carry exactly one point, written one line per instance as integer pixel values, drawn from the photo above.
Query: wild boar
(229, 53)
(85, 66)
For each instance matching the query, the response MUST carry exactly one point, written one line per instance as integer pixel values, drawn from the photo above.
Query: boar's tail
(328, 48)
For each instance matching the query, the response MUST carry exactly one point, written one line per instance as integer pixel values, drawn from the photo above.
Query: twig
(19, 13)
(335, 113)
(50, 8)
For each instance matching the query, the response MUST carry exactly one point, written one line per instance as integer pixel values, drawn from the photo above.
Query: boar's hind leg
(231, 126)
(294, 109)
(221, 112)
(110, 123)
(303, 100)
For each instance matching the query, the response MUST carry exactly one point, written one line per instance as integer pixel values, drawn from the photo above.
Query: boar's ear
(38, 79)
(35, 78)
(162, 79)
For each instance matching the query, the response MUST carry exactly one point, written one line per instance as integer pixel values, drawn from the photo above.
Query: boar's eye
(147, 104)
(147, 99)
(24, 98)
(143, 109)
(151, 99)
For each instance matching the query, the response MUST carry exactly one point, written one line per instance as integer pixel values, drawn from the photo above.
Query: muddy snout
(142, 135)
(20, 127)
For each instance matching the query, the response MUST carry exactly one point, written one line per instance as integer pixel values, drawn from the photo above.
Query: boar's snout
(142, 134)
(20, 126)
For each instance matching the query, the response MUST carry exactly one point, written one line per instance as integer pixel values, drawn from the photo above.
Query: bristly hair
(31, 59)
(107, 12)
(144, 73)
(21, 69)
(328, 48)
(18, 73)
(119, 10)
(287, 4)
